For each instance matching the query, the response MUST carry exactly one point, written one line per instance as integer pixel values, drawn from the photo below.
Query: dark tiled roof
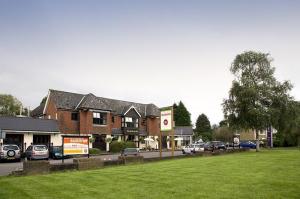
(66, 100)
(38, 111)
(28, 124)
(183, 130)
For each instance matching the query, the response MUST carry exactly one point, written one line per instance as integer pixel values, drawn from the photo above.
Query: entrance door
(14, 139)
(164, 142)
(99, 142)
(41, 139)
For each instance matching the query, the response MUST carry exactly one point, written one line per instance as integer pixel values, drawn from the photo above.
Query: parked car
(248, 144)
(55, 152)
(130, 151)
(193, 148)
(214, 145)
(37, 152)
(10, 152)
(219, 145)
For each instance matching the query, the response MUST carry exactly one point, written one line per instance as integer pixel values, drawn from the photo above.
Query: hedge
(116, 146)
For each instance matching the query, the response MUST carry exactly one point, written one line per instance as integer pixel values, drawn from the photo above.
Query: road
(7, 167)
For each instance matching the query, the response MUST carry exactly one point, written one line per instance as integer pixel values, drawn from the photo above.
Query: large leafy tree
(182, 116)
(289, 126)
(9, 105)
(203, 127)
(256, 98)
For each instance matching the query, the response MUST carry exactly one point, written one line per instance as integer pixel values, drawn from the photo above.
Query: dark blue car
(248, 144)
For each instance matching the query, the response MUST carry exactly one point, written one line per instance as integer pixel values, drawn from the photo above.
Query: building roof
(38, 111)
(28, 124)
(184, 130)
(72, 101)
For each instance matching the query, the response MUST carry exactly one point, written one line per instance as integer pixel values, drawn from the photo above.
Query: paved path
(7, 167)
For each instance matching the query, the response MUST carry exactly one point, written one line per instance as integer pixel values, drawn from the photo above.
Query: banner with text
(166, 123)
(76, 145)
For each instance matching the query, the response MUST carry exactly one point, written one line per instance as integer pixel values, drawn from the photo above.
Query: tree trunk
(257, 141)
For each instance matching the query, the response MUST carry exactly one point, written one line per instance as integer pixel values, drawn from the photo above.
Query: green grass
(267, 174)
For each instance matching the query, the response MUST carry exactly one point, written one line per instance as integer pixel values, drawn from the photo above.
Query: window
(130, 122)
(74, 116)
(99, 118)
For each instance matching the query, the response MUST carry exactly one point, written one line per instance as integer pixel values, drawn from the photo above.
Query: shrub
(116, 146)
(94, 151)
(130, 145)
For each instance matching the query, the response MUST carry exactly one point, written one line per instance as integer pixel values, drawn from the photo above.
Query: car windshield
(10, 147)
(40, 148)
(130, 150)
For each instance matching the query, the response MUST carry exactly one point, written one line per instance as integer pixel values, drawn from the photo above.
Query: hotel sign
(166, 119)
(76, 145)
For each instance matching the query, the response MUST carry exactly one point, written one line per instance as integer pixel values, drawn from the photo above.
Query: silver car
(37, 152)
(10, 152)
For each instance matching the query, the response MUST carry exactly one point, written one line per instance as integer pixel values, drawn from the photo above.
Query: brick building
(101, 118)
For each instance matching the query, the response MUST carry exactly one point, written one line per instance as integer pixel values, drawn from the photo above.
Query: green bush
(94, 151)
(116, 146)
(130, 145)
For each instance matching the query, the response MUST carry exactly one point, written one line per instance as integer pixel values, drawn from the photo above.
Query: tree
(256, 98)
(182, 117)
(223, 133)
(9, 105)
(203, 128)
(289, 126)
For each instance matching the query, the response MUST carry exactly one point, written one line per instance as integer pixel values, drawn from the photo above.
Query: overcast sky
(143, 51)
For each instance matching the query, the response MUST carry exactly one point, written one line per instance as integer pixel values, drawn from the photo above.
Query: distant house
(251, 135)
(25, 131)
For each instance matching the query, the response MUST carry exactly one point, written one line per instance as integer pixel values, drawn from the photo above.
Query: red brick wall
(50, 110)
(118, 122)
(87, 126)
(66, 125)
(153, 126)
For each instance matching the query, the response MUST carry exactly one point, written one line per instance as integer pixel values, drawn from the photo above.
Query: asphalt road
(7, 167)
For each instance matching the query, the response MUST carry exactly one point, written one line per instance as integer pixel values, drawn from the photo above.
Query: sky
(143, 51)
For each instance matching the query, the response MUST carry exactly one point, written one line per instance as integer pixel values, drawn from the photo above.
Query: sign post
(167, 125)
(270, 137)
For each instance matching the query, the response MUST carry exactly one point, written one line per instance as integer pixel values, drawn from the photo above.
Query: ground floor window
(41, 139)
(131, 138)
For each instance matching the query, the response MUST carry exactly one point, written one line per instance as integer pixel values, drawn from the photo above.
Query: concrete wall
(28, 139)
(56, 139)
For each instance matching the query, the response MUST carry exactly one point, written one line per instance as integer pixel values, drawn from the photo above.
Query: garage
(17, 139)
(24, 131)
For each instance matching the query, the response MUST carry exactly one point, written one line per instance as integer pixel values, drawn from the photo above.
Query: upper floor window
(74, 116)
(130, 122)
(99, 118)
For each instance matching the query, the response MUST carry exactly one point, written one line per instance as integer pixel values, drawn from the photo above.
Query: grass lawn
(267, 174)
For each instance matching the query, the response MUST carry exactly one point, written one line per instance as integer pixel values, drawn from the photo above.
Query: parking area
(7, 167)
